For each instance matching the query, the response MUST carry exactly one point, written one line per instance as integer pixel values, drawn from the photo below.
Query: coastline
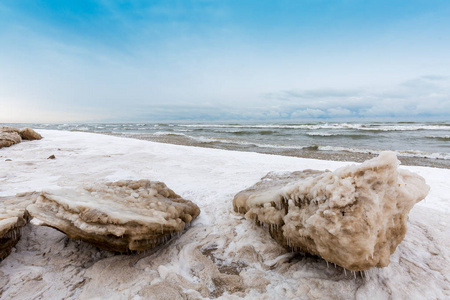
(344, 156)
(416, 143)
(47, 264)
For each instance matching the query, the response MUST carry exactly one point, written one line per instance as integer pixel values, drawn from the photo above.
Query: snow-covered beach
(46, 264)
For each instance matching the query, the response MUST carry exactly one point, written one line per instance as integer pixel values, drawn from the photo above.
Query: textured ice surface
(13, 216)
(222, 254)
(119, 216)
(354, 217)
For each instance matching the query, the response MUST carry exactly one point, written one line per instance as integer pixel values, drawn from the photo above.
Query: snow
(222, 254)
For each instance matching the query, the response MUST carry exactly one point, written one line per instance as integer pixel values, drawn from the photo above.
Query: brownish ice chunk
(29, 134)
(119, 216)
(354, 217)
(11, 135)
(13, 216)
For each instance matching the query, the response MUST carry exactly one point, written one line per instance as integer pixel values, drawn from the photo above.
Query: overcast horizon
(114, 61)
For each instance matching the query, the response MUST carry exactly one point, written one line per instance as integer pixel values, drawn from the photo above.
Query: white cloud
(339, 112)
(426, 96)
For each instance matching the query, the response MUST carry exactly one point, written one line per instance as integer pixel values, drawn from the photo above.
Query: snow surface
(222, 254)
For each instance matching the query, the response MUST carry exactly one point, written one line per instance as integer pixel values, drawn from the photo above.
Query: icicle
(345, 272)
(327, 264)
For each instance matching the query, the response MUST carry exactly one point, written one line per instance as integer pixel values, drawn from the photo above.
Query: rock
(120, 216)
(354, 217)
(13, 216)
(51, 157)
(29, 134)
(11, 135)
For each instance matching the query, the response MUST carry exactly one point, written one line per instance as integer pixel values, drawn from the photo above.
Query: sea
(416, 143)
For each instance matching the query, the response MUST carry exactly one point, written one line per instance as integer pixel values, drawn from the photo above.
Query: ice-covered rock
(11, 135)
(354, 217)
(29, 134)
(13, 216)
(119, 216)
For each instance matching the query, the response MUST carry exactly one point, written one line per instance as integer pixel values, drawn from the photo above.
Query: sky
(143, 61)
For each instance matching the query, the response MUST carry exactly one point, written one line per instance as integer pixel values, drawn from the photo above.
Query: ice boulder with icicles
(13, 217)
(354, 217)
(121, 216)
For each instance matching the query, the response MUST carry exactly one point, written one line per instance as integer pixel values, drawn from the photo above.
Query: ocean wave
(404, 153)
(211, 140)
(253, 132)
(356, 126)
(407, 153)
(168, 133)
(338, 135)
(324, 134)
(440, 138)
(405, 127)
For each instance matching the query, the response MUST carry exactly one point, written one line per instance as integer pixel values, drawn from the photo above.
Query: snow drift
(354, 217)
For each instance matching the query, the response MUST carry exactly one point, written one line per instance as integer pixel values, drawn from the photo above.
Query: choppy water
(421, 143)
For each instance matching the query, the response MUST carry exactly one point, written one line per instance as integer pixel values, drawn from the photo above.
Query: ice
(114, 216)
(11, 135)
(47, 264)
(343, 216)
(13, 216)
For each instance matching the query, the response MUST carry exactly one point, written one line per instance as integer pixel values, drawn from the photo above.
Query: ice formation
(13, 216)
(10, 135)
(119, 216)
(354, 217)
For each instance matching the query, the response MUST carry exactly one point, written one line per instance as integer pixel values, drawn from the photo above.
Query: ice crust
(119, 216)
(354, 217)
(13, 216)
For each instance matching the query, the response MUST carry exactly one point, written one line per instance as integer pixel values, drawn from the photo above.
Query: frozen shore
(220, 242)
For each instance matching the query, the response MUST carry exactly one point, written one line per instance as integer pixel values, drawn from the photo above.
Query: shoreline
(341, 156)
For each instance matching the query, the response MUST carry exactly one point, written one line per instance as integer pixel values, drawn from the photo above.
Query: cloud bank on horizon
(67, 61)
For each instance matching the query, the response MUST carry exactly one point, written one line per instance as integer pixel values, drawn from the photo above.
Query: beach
(46, 264)
(415, 143)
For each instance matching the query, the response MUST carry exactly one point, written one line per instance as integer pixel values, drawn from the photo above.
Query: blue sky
(68, 61)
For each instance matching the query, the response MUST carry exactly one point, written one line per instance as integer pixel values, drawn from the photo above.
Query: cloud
(417, 97)
(434, 77)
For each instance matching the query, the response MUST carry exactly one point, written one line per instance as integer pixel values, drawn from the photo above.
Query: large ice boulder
(354, 217)
(11, 135)
(120, 216)
(13, 216)
(29, 134)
